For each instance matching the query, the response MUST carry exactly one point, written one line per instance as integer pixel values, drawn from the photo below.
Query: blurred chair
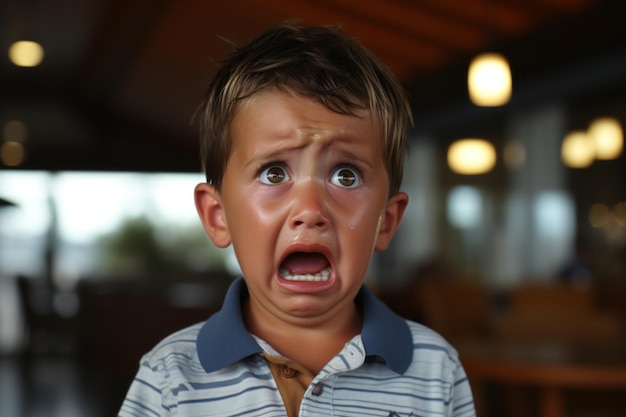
(615, 300)
(457, 310)
(141, 313)
(553, 297)
(556, 313)
(593, 328)
(559, 322)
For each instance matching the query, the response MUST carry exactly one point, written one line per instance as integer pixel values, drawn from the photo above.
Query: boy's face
(304, 202)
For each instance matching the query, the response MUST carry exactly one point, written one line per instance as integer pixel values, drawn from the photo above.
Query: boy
(303, 137)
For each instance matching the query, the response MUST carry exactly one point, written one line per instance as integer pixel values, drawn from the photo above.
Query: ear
(211, 211)
(390, 220)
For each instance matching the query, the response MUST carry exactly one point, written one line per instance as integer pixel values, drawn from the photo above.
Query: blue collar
(223, 339)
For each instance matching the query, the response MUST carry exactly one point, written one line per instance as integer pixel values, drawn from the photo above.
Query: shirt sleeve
(461, 399)
(145, 395)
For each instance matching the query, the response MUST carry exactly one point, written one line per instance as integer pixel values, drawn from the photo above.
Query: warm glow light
(620, 213)
(12, 153)
(489, 80)
(607, 136)
(471, 156)
(15, 131)
(26, 53)
(514, 154)
(599, 215)
(577, 150)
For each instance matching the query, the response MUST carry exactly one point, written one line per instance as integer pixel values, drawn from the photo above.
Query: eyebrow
(346, 154)
(278, 152)
(275, 153)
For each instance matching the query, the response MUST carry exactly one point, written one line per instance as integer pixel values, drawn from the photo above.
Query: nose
(309, 206)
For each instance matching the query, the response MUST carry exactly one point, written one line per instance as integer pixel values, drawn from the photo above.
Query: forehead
(295, 117)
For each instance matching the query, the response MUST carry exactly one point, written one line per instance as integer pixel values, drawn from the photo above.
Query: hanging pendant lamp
(489, 80)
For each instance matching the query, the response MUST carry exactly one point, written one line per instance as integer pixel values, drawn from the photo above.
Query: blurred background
(513, 247)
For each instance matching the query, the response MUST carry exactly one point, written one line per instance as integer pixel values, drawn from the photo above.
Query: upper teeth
(323, 275)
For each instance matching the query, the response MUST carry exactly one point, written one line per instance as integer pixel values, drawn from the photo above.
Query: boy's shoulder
(426, 340)
(423, 332)
(180, 345)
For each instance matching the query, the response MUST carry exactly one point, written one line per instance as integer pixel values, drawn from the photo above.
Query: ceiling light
(577, 150)
(26, 54)
(471, 156)
(489, 80)
(607, 136)
(599, 215)
(12, 154)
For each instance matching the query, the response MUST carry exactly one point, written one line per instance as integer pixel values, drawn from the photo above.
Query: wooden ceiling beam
(492, 16)
(567, 5)
(117, 41)
(414, 21)
(419, 53)
(541, 11)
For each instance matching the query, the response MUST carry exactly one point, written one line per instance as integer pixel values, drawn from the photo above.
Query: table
(551, 368)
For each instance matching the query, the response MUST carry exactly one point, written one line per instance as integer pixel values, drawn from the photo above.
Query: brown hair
(317, 62)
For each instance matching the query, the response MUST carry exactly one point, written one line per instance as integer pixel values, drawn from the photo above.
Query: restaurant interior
(513, 246)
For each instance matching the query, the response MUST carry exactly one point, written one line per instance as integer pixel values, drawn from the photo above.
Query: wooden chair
(556, 313)
(557, 321)
(456, 310)
(552, 298)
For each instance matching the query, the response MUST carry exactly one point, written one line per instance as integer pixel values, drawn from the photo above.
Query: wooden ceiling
(121, 78)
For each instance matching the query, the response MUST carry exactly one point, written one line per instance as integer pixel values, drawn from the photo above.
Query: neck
(310, 345)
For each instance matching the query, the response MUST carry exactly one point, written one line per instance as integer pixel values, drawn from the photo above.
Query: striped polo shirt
(394, 368)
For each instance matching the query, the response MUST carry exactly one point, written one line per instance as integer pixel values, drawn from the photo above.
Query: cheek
(360, 223)
(252, 213)
(252, 237)
(361, 210)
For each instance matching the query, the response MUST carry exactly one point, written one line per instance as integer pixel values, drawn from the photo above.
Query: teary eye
(273, 174)
(346, 176)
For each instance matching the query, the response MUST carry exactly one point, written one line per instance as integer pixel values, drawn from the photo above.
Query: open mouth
(305, 266)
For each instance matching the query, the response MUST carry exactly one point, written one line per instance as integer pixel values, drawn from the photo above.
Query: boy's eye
(274, 174)
(347, 177)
